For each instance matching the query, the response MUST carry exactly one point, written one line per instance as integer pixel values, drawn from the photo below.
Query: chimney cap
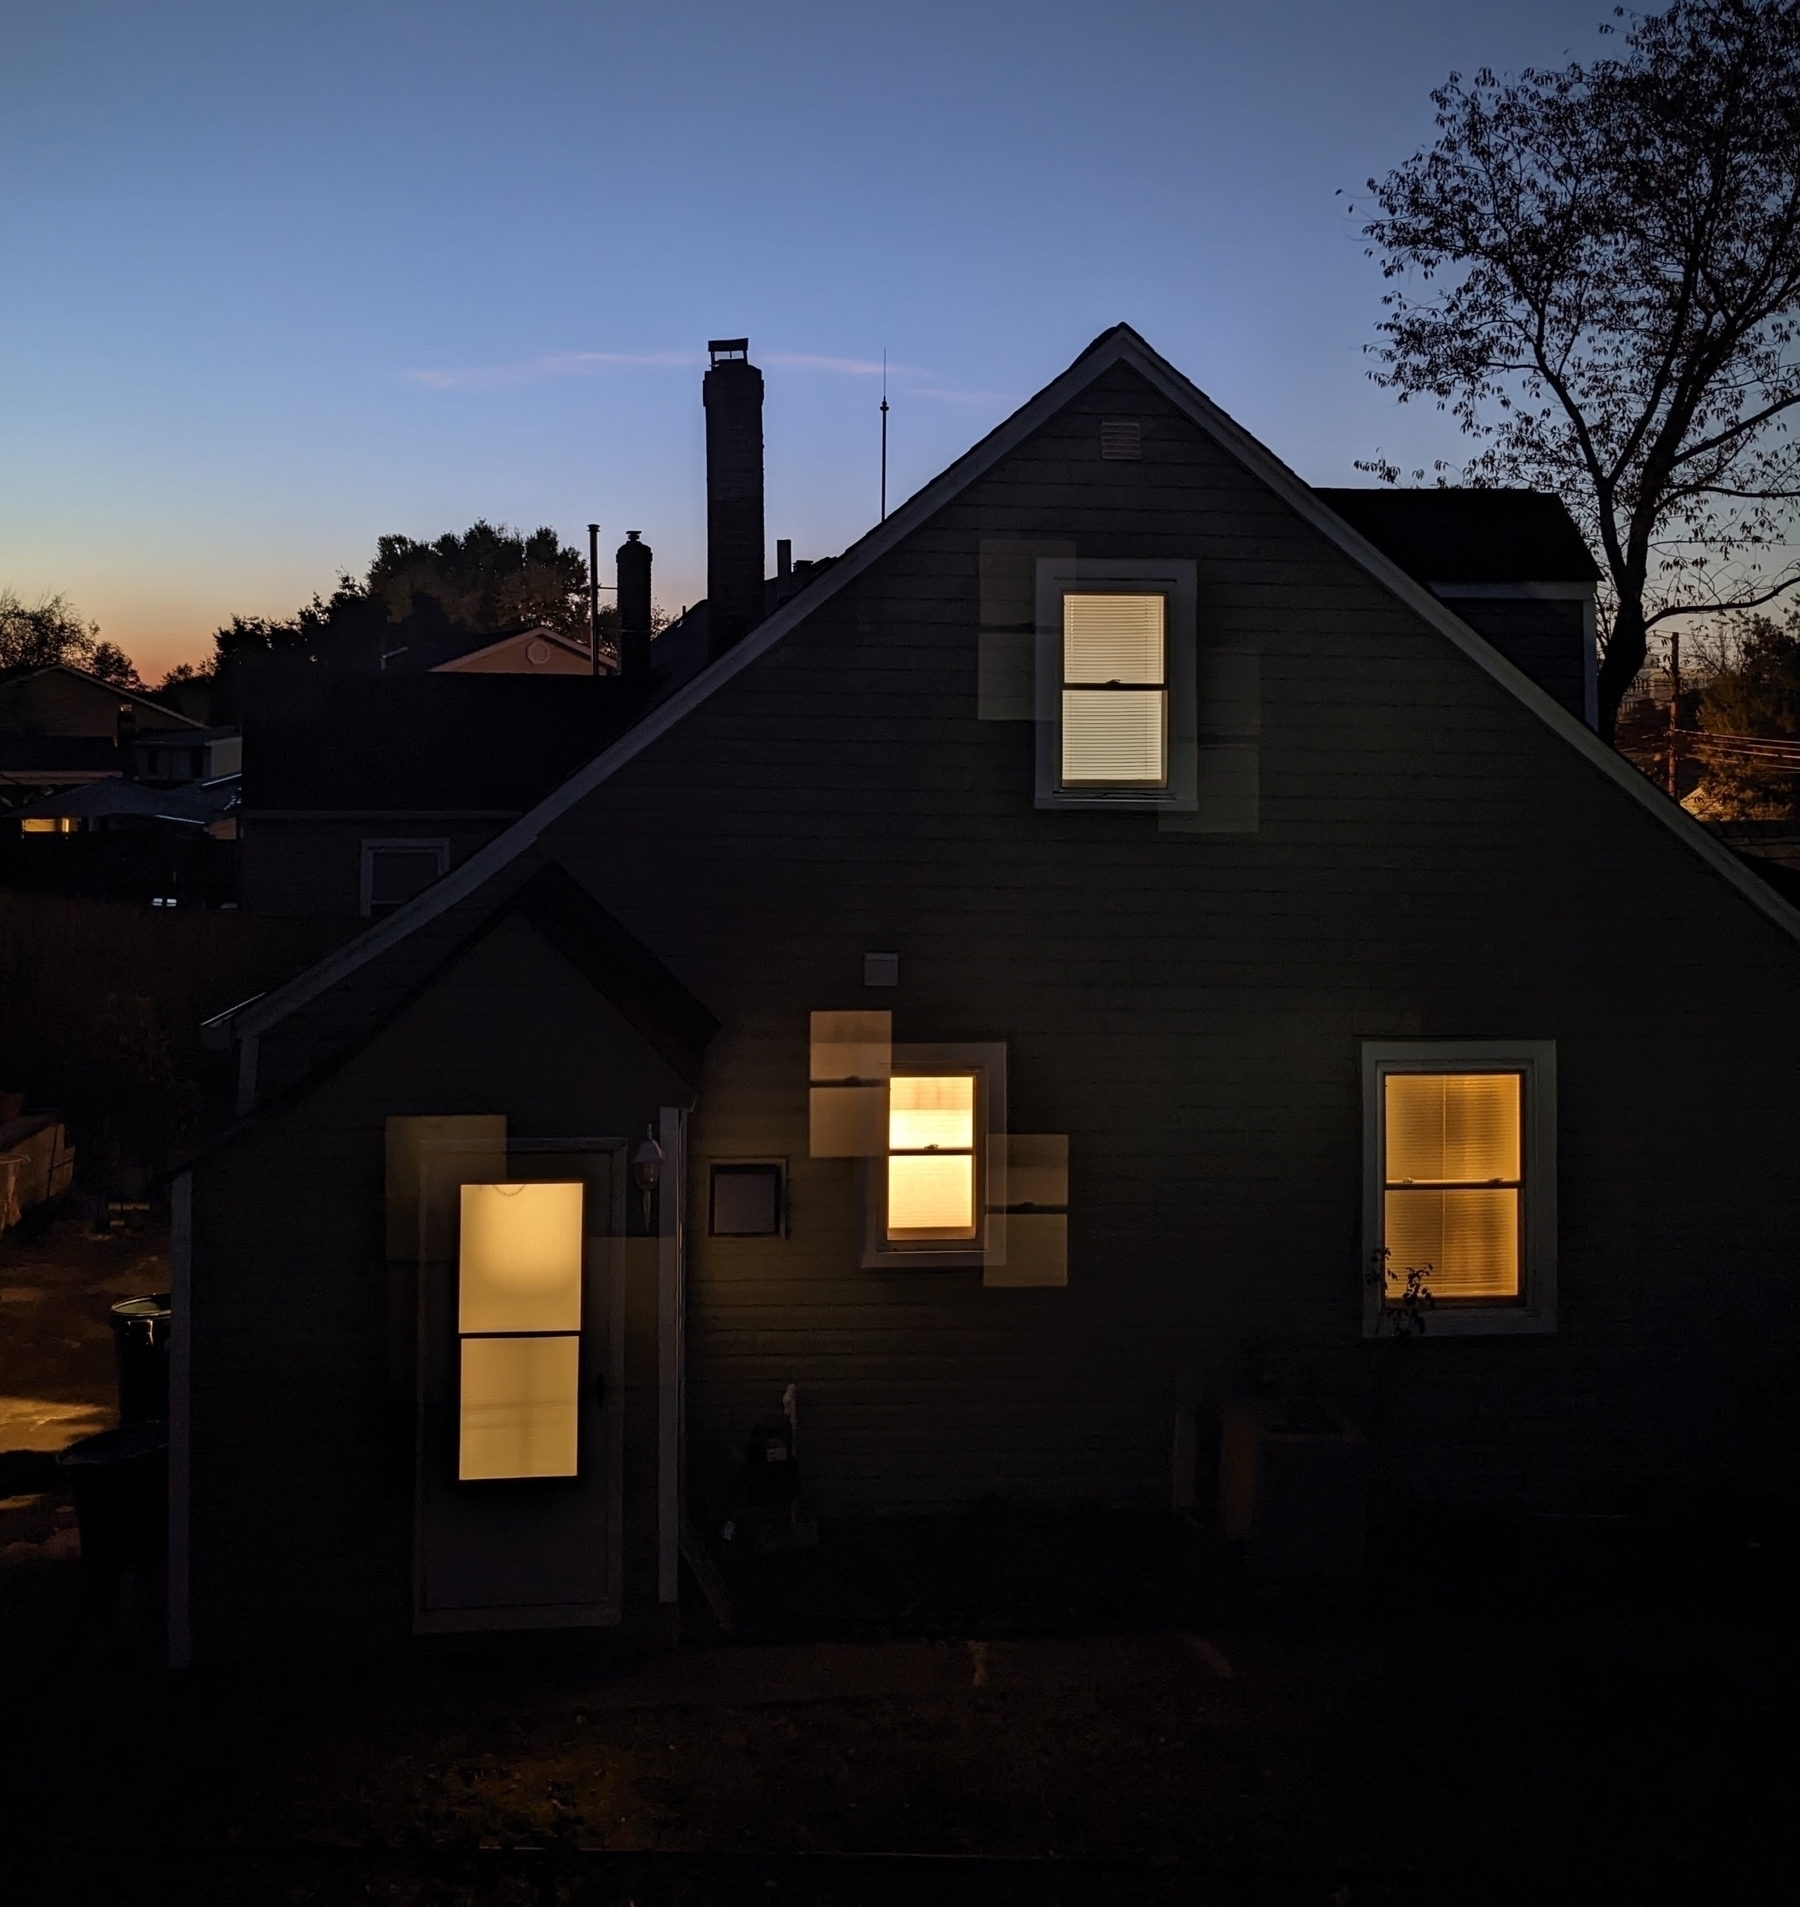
(728, 348)
(631, 536)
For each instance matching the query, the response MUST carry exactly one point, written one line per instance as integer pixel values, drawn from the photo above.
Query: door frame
(608, 1611)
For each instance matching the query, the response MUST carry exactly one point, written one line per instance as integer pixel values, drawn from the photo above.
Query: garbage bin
(120, 1483)
(141, 1339)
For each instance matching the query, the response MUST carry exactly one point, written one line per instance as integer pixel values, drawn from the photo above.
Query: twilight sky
(279, 280)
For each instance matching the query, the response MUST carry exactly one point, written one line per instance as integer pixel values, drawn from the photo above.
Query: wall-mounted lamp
(646, 1169)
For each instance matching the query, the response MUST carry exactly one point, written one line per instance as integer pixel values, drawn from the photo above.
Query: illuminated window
(1115, 675)
(1462, 1194)
(1452, 1188)
(519, 1325)
(49, 824)
(931, 1178)
(1115, 696)
(929, 1194)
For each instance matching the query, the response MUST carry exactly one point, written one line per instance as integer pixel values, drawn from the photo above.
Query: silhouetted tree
(52, 630)
(1597, 271)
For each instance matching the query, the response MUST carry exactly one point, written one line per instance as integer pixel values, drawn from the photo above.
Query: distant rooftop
(1470, 536)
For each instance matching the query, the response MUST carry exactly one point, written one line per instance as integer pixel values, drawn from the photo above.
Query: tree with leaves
(1597, 272)
(51, 630)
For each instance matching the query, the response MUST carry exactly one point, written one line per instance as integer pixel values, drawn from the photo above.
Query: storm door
(520, 1384)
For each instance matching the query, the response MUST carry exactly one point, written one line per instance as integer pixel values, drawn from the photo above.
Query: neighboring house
(540, 651)
(360, 789)
(61, 727)
(1061, 954)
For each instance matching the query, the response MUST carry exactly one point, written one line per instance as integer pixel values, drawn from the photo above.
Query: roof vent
(1121, 440)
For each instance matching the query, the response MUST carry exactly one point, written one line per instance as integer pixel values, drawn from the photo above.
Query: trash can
(120, 1484)
(141, 1329)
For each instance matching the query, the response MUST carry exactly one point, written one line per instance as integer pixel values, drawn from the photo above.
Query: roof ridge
(1118, 345)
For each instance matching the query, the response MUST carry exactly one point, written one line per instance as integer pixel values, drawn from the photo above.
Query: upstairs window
(1115, 690)
(1115, 671)
(1460, 1178)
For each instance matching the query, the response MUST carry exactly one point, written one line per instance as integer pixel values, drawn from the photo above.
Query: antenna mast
(884, 412)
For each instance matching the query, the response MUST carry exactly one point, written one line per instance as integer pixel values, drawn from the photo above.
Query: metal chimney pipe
(633, 559)
(594, 598)
(733, 395)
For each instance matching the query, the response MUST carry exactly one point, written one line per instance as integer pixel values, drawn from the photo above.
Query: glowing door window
(519, 1322)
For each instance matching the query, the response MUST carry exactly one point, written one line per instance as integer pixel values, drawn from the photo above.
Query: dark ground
(992, 1708)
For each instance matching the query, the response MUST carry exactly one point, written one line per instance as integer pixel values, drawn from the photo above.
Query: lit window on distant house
(49, 824)
(519, 1330)
(393, 872)
(1115, 695)
(1462, 1191)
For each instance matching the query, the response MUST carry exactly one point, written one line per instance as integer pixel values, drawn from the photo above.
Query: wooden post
(1674, 707)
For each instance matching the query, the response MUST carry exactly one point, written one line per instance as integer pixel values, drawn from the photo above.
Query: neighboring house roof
(1470, 536)
(46, 758)
(115, 798)
(336, 742)
(59, 700)
(540, 651)
(1119, 346)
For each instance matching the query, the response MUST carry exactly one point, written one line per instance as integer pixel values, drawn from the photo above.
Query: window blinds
(1115, 693)
(1453, 1187)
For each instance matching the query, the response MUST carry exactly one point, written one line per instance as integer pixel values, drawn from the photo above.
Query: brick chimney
(733, 394)
(634, 607)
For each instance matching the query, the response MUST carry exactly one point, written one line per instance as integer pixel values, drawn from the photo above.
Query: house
(536, 651)
(1062, 969)
(61, 727)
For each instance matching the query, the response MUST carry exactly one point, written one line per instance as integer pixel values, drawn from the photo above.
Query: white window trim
(1174, 578)
(1534, 1311)
(366, 892)
(988, 1058)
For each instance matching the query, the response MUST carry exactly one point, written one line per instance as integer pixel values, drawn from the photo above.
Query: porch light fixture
(646, 1168)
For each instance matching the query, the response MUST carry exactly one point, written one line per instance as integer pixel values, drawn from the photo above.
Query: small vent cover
(1121, 440)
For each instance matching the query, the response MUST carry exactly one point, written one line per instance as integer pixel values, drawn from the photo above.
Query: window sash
(1115, 689)
(930, 1171)
(1467, 1233)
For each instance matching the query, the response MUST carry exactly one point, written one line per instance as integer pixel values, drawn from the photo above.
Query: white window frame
(1533, 1312)
(987, 1059)
(1175, 581)
(437, 844)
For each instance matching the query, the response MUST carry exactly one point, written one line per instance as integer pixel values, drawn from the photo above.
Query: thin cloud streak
(555, 364)
(583, 363)
(961, 397)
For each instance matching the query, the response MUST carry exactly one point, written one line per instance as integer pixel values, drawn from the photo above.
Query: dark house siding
(1432, 861)
(303, 1455)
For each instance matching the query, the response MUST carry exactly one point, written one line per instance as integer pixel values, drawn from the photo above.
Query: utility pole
(594, 597)
(1674, 707)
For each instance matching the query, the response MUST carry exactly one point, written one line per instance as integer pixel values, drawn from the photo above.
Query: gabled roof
(12, 680)
(555, 644)
(611, 959)
(1470, 536)
(1119, 346)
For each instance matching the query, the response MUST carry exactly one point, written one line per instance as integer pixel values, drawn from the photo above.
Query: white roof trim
(1120, 346)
